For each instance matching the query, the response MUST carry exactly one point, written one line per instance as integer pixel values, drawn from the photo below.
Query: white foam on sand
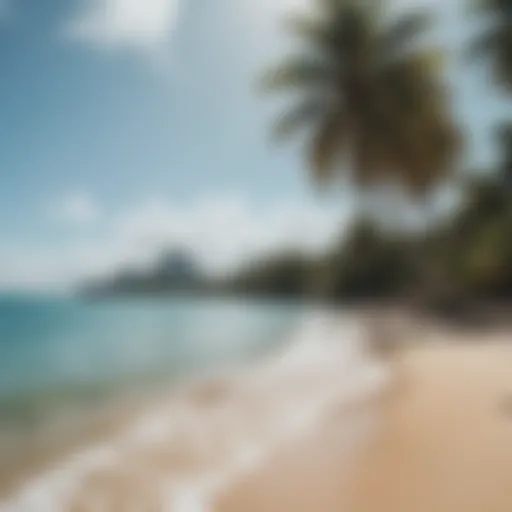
(254, 411)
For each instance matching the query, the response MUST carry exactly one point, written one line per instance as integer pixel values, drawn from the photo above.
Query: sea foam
(185, 452)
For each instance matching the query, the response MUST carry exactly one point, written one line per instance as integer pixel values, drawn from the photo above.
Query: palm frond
(312, 31)
(483, 45)
(406, 30)
(297, 72)
(304, 114)
(494, 7)
(496, 46)
(327, 146)
(343, 28)
(370, 95)
(495, 43)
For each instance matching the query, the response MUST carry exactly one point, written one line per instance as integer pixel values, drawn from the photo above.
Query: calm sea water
(55, 351)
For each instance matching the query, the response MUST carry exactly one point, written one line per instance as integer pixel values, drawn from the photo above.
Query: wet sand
(443, 442)
(25, 456)
(286, 436)
(210, 434)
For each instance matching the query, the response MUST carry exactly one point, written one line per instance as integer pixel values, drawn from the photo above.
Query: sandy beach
(323, 426)
(443, 442)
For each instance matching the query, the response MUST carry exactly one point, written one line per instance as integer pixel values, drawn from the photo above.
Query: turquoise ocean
(211, 386)
(60, 352)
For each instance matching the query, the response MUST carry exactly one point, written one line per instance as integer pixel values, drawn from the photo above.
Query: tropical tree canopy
(504, 136)
(496, 41)
(370, 97)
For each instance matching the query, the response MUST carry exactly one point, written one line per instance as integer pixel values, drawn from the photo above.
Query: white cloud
(76, 208)
(134, 24)
(223, 232)
(226, 231)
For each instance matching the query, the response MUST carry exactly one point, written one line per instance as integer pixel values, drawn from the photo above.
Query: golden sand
(444, 444)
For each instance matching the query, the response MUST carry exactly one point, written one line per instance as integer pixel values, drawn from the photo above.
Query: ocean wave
(179, 456)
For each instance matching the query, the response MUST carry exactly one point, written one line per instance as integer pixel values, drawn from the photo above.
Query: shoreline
(209, 431)
(334, 420)
(444, 441)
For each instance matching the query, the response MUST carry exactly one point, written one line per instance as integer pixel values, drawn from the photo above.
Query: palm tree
(496, 41)
(504, 136)
(370, 98)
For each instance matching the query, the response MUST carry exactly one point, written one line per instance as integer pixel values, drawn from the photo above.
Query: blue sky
(129, 125)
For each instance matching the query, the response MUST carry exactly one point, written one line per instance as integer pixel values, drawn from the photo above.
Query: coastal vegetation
(368, 97)
(375, 106)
